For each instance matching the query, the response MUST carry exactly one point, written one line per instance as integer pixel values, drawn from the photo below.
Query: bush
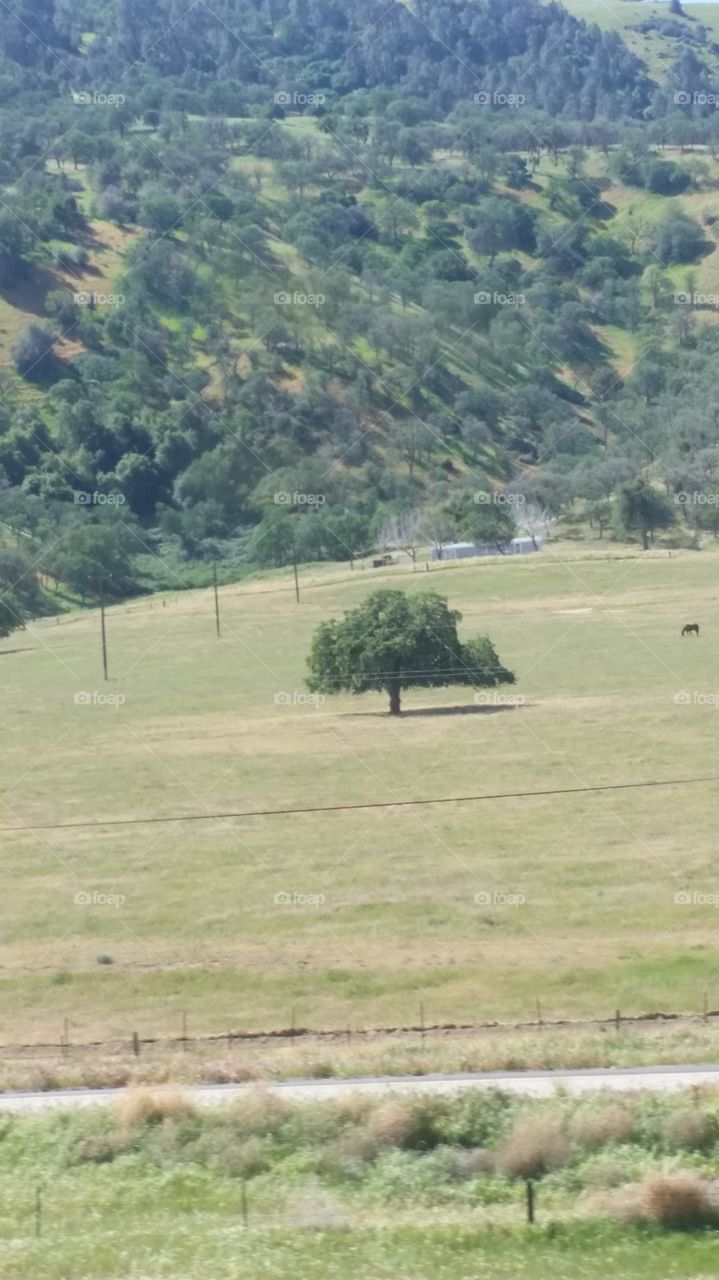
(33, 351)
(680, 1201)
(259, 1113)
(692, 1129)
(400, 1123)
(138, 1107)
(600, 1126)
(534, 1146)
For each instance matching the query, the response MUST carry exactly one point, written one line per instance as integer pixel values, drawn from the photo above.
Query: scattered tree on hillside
(642, 509)
(393, 642)
(403, 531)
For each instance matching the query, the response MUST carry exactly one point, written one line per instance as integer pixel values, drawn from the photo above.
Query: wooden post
(706, 1006)
(617, 1020)
(103, 633)
(539, 1013)
(135, 1044)
(217, 599)
(421, 1018)
(184, 1031)
(530, 1201)
(297, 580)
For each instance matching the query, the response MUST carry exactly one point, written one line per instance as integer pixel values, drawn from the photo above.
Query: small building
(462, 550)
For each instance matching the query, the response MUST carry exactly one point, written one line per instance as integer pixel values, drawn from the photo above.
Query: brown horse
(691, 629)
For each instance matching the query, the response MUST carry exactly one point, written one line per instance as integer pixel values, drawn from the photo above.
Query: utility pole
(103, 633)
(217, 599)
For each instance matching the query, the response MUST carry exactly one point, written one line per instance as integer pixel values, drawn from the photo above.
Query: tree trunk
(394, 700)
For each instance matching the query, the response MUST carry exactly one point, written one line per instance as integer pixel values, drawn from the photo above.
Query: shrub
(680, 1201)
(534, 1145)
(246, 1160)
(392, 1124)
(601, 1126)
(258, 1113)
(675, 1201)
(692, 1129)
(33, 351)
(138, 1107)
(101, 1149)
(349, 1153)
(400, 1123)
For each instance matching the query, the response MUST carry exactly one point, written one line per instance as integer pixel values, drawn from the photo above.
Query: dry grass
(256, 1061)
(200, 720)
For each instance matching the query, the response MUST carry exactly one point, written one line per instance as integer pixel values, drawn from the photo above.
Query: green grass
(625, 16)
(594, 640)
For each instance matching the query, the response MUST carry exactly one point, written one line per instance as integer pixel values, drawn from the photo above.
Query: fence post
(617, 1020)
(135, 1044)
(530, 1201)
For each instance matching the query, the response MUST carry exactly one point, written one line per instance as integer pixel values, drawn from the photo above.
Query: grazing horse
(691, 629)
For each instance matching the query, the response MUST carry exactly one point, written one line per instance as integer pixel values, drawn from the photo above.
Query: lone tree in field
(393, 642)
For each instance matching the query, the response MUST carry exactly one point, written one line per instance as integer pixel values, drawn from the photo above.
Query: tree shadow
(465, 710)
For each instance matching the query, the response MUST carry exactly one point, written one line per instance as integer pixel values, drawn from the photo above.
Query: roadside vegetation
(432, 1186)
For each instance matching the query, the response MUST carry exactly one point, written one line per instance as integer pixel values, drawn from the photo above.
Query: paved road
(539, 1084)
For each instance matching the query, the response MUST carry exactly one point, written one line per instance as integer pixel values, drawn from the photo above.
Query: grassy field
(625, 16)
(351, 918)
(382, 1188)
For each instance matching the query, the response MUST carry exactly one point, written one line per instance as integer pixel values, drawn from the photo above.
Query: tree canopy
(394, 641)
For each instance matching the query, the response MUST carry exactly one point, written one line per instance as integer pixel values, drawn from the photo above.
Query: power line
(347, 808)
